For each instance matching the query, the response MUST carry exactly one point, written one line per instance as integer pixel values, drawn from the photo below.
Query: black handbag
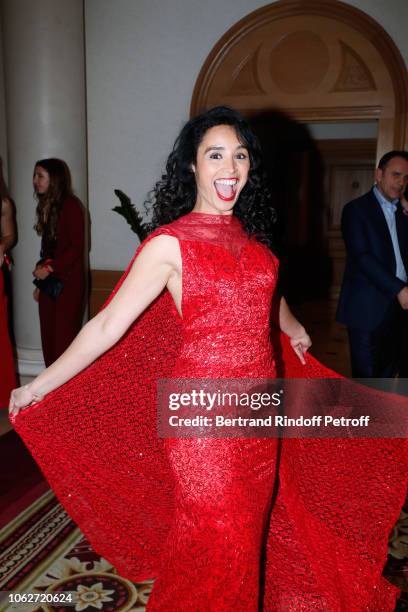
(51, 286)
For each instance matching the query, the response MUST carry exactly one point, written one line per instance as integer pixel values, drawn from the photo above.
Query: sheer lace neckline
(212, 219)
(223, 231)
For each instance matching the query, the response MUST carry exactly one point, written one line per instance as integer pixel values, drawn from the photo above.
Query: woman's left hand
(41, 272)
(21, 398)
(301, 344)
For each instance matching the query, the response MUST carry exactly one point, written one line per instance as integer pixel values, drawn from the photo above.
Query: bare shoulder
(163, 248)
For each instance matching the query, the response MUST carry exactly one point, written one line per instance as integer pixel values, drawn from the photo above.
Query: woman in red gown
(7, 241)
(202, 515)
(61, 225)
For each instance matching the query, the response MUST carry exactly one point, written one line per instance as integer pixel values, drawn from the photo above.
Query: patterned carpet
(43, 552)
(396, 569)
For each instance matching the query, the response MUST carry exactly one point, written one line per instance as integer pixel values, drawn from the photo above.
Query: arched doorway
(316, 60)
(297, 62)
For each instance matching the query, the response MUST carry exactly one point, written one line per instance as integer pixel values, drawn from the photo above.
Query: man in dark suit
(373, 301)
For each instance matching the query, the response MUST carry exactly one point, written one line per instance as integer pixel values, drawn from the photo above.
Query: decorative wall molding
(360, 73)
(355, 149)
(354, 74)
(245, 77)
(318, 114)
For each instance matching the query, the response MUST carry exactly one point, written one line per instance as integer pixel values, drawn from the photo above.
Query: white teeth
(227, 181)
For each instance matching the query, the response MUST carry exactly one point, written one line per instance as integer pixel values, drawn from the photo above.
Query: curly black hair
(175, 194)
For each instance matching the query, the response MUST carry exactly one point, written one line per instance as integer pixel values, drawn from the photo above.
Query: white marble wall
(44, 77)
(3, 130)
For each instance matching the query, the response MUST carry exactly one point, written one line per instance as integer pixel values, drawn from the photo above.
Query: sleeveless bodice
(228, 281)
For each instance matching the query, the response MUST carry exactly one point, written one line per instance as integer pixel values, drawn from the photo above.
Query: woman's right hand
(36, 295)
(22, 398)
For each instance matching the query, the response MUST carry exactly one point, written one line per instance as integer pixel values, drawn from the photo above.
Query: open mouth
(226, 188)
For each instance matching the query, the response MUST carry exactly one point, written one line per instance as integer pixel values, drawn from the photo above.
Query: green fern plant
(131, 215)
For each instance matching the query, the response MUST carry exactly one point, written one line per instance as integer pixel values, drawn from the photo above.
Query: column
(44, 67)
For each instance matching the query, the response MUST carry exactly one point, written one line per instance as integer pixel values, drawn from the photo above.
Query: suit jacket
(370, 285)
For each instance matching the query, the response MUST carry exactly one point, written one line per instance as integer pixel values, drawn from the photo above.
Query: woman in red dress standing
(60, 223)
(7, 240)
(200, 513)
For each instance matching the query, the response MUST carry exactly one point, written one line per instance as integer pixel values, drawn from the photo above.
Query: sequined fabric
(337, 503)
(224, 487)
(228, 284)
(205, 516)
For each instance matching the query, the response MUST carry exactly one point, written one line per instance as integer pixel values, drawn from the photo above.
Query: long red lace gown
(197, 514)
(224, 487)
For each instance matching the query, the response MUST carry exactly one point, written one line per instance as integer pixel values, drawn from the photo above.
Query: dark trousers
(382, 352)
(60, 322)
(403, 369)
